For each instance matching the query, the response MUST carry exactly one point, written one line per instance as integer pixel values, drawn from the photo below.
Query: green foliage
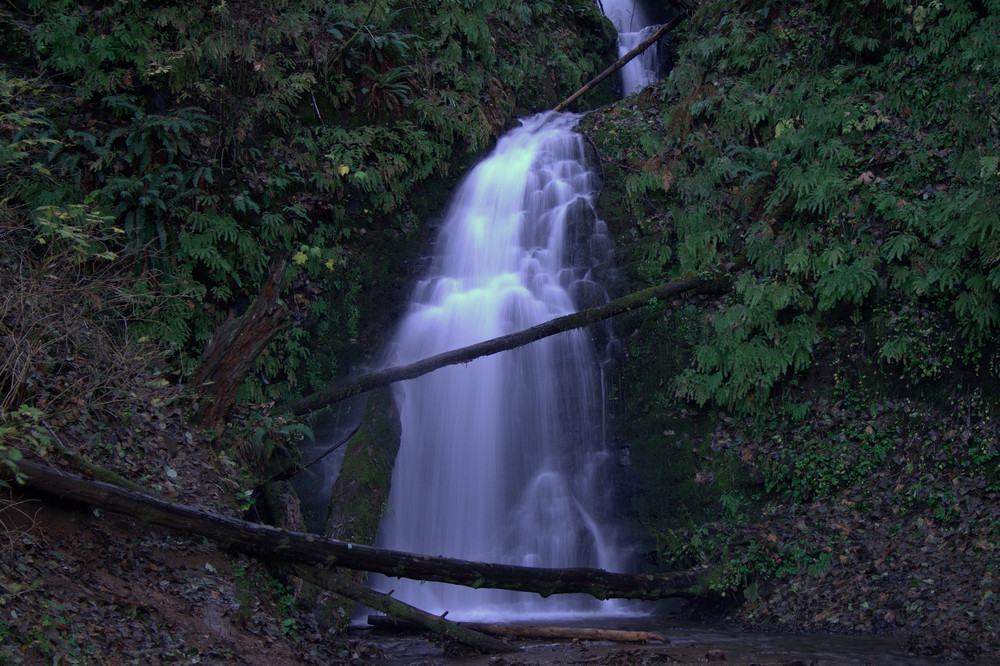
(265, 437)
(21, 430)
(756, 345)
(741, 564)
(842, 163)
(819, 467)
(75, 227)
(192, 143)
(920, 343)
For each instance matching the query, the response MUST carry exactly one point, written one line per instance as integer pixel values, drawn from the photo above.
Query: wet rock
(587, 294)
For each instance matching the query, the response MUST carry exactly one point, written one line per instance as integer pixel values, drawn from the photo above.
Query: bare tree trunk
(580, 319)
(288, 547)
(234, 347)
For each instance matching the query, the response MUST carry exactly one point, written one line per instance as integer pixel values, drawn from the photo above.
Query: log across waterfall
(504, 459)
(633, 28)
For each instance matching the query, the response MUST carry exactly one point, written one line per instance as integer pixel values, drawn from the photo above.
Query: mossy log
(287, 547)
(383, 602)
(568, 322)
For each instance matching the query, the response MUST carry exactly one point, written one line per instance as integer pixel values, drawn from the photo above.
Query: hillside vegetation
(837, 162)
(822, 436)
(159, 163)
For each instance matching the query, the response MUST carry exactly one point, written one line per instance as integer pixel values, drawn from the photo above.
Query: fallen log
(531, 631)
(580, 633)
(621, 62)
(568, 322)
(287, 546)
(355, 591)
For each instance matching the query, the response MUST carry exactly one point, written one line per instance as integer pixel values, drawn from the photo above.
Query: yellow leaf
(343, 169)
(299, 258)
(329, 264)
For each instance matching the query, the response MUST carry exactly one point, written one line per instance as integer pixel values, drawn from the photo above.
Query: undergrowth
(191, 144)
(840, 161)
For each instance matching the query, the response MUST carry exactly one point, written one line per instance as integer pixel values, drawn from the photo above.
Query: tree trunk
(580, 319)
(621, 62)
(286, 547)
(234, 347)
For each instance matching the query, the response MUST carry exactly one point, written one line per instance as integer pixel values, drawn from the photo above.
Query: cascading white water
(504, 459)
(633, 28)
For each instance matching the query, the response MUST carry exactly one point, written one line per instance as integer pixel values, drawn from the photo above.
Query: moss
(358, 496)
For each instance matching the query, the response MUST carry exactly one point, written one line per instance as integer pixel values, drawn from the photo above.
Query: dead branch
(234, 347)
(621, 62)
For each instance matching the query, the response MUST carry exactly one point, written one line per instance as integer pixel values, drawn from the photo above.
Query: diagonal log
(312, 549)
(397, 609)
(325, 397)
(621, 62)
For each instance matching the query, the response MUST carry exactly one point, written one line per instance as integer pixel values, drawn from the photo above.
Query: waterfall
(504, 459)
(633, 28)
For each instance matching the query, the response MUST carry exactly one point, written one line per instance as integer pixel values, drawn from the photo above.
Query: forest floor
(86, 587)
(901, 545)
(82, 586)
(895, 526)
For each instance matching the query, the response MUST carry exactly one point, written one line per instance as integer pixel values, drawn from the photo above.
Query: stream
(687, 643)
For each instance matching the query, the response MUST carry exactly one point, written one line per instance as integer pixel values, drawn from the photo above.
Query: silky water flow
(504, 459)
(633, 28)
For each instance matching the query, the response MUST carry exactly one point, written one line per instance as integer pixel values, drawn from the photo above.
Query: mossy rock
(358, 496)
